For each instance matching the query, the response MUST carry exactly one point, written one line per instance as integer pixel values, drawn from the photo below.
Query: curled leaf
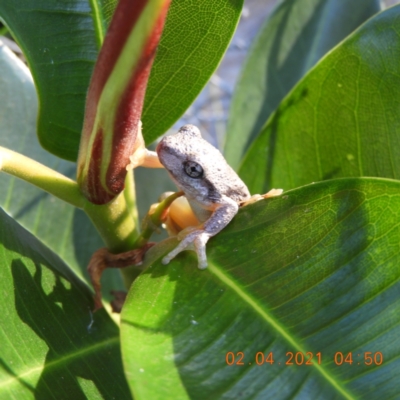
(115, 98)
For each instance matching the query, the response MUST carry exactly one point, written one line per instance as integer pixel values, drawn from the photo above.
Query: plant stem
(130, 196)
(115, 223)
(41, 176)
(155, 218)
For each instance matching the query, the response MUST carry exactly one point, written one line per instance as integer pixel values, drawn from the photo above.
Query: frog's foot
(102, 259)
(191, 238)
(119, 300)
(257, 197)
(272, 193)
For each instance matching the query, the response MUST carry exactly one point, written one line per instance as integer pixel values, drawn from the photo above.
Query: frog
(213, 189)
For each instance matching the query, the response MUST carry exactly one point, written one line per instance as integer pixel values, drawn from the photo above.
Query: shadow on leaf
(80, 347)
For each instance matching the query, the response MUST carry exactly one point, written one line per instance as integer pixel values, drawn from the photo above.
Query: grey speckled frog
(212, 188)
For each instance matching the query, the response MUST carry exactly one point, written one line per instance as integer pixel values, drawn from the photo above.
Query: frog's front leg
(198, 236)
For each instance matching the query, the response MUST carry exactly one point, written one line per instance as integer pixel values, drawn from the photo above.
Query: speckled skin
(214, 197)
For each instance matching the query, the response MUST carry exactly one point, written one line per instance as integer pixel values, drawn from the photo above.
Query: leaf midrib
(227, 280)
(64, 359)
(97, 22)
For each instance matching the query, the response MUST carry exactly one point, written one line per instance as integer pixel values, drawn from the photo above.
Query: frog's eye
(193, 169)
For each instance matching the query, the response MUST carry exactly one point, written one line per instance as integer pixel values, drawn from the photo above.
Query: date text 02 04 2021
(299, 358)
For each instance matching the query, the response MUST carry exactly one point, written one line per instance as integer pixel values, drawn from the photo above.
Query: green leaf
(315, 270)
(293, 39)
(60, 41)
(51, 344)
(194, 40)
(341, 120)
(62, 227)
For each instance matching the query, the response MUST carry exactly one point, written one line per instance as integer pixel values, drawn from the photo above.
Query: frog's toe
(166, 260)
(200, 248)
(181, 247)
(196, 239)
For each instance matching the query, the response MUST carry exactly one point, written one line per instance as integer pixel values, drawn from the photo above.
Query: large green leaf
(195, 38)
(52, 346)
(61, 42)
(315, 270)
(62, 227)
(293, 39)
(341, 120)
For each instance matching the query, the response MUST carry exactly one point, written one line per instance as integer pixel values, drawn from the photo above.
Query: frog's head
(182, 154)
(192, 162)
(199, 169)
